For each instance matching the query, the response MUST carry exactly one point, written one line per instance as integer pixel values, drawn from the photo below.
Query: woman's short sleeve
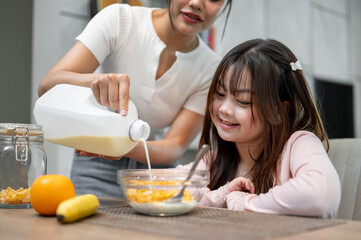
(197, 101)
(107, 30)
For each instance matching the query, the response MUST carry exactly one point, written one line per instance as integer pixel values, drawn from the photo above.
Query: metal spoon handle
(199, 156)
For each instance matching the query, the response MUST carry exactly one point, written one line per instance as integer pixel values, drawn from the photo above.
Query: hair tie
(296, 65)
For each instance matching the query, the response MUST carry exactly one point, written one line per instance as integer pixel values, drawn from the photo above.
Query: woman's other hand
(241, 184)
(112, 90)
(88, 154)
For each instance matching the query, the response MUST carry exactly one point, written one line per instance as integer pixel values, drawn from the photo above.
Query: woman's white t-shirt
(123, 40)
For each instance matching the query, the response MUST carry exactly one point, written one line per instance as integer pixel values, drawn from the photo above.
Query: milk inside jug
(70, 116)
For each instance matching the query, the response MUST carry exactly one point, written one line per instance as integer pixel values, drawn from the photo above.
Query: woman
(153, 57)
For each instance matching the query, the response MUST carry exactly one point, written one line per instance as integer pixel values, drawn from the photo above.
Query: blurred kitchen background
(325, 35)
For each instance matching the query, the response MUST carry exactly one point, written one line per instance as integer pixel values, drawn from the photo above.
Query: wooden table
(27, 224)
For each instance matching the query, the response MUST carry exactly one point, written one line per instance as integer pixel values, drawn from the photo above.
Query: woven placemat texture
(209, 223)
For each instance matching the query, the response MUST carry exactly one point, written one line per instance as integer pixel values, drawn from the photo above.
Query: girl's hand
(241, 184)
(88, 154)
(112, 90)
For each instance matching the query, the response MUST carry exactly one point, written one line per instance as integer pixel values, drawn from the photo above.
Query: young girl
(266, 136)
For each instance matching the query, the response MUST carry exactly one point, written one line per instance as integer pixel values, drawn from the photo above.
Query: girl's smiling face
(233, 115)
(193, 16)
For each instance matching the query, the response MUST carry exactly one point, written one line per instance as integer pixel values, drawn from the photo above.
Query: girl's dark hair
(273, 82)
(228, 5)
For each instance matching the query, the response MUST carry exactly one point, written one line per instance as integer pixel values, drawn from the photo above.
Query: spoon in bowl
(178, 198)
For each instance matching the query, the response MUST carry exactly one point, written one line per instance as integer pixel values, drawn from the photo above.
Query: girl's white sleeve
(311, 188)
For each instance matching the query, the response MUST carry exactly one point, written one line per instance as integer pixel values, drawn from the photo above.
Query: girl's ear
(286, 105)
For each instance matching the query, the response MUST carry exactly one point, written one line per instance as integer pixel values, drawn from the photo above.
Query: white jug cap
(139, 130)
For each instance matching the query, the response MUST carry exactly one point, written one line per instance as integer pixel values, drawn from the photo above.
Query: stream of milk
(147, 156)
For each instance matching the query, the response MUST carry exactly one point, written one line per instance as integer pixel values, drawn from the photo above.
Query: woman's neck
(174, 39)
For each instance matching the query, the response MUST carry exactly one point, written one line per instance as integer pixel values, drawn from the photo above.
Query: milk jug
(71, 116)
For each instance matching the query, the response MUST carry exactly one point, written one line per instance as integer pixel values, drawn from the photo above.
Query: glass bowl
(147, 193)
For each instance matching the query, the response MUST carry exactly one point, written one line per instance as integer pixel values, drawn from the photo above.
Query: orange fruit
(48, 191)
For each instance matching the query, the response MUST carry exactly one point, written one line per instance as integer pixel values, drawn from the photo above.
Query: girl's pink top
(308, 184)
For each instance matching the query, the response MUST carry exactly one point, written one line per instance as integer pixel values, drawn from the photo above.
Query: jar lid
(7, 129)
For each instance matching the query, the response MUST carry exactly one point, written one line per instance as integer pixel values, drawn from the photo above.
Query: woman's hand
(77, 68)
(88, 154)
(112, 90)
(241, 184)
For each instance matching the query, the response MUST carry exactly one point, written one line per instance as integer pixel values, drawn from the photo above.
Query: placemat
(209, 223)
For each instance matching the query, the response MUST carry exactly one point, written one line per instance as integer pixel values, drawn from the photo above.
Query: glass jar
(22, 160)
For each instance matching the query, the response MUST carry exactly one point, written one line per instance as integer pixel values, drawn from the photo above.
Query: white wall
(324, 34)
(55, 26)
(354, 7)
